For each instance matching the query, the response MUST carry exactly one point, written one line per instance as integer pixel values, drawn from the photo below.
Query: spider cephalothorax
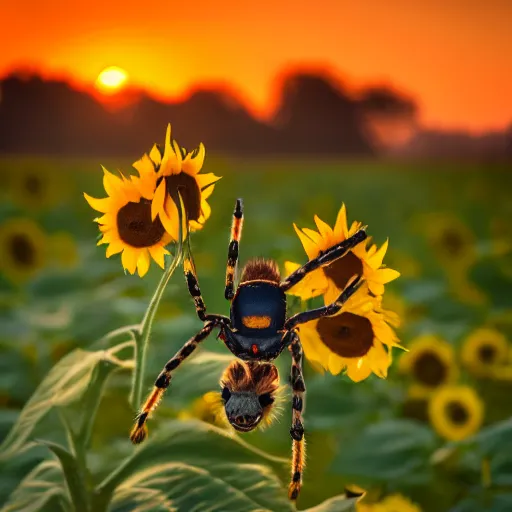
(256, 331)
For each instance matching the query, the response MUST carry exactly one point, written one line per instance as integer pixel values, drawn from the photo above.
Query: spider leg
(334, 253)
(297, 429)
(236, 234)
(193, 287)
(329, 310)
(140, 430)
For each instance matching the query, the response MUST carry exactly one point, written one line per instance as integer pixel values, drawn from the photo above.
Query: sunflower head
(207, 408)
(358, 340)
(127, 225)
(430, 362)
(174, 172)
(456, 412)
(22, 249)
(331, 279)
(484, 350)
(451, 240)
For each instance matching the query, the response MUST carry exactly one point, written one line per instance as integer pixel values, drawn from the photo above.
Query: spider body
(256, 332)
(257, 317)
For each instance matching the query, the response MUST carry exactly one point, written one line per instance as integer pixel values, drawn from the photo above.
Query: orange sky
(454, 56)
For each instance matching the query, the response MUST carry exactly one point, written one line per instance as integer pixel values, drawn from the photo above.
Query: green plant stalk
(143, 333)
(142, 336)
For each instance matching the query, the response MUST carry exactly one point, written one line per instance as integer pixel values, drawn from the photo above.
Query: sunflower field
(407, 404)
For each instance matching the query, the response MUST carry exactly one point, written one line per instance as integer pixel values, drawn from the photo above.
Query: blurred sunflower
(391, 503)
(63, 249)
(171, 171)
(331, 279)
(430, 362)
(23, 249)
(484, 350)
(353, 340)
(456, 412)
(127, 225)
(207, 408)
(33, 188)
(452, 241)
(415, 407)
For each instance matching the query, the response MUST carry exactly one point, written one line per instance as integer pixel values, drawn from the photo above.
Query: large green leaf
(193, 443)
(218, 487)
(64, 384)
(43, 489)
(388, 451)
(336, 504)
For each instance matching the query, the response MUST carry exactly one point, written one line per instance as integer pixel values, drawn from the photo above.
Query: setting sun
(111, 79)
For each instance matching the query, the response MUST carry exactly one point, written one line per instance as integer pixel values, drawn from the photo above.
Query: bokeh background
(401, 110)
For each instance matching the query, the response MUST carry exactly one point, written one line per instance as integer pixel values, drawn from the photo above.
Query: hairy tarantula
(256, 332)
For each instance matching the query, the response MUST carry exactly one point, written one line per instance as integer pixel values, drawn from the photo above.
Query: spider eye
(266, 399)
(226, 394)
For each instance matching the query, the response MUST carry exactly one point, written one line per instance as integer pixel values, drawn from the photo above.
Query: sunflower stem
(143, 334)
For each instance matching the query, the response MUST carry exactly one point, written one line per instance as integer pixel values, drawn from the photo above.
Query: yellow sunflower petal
(158, 254)
(170, 163)
(144, 165)
(336, 364)
(170, 219)
(155, 155)
(310, 247)
(375, 261)
(112, 184)
(143, 263)
(157, 204)
(341, 227)
(193, 164)
(325, 230)
(101, 205)
(115, 247)
(358, 370)
(387, 275)
(313, 285)
(129, 259)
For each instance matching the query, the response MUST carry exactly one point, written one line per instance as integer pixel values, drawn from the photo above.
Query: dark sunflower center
(487, 354)
(343, 269)
(189, 191)
(347, 335)
(135, 226)
(457, 413)
(452, 242)
(33, 185)
(429, 369)
(22, 250)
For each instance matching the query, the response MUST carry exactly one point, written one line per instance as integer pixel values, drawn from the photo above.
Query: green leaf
(336, 504)
(200, 375)
(218, 487)
(74, 475)
(41, 490)
(64, 384)
(192, 444)
(387, 451)
(492, 438)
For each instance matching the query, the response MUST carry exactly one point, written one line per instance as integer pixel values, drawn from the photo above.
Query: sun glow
(111, 79)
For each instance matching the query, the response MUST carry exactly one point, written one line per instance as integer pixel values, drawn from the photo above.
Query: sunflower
(452, 241)
(391, 503)
(171, 171)
(431, 363)
(331, 279)
(353, 340)
(23, 249)
(64, 249)
(126, 223)
(484, 350)
(35, 189)
(207, 408)
(456, 412)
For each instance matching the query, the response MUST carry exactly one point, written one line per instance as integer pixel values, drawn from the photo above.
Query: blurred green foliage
(53, 348)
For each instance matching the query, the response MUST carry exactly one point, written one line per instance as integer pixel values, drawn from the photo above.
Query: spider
(256, 332)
